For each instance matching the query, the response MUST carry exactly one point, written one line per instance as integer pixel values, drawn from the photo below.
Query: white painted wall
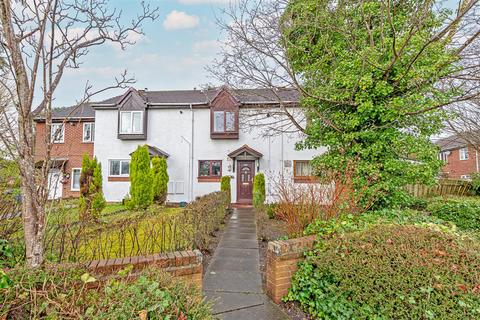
(165, 131)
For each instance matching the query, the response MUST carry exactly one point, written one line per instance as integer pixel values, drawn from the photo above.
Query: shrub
(466, 215)
(391, 272)
(91, 201)
(160, 179)
(141, 186)
(62, 294)
(476, 183)
(259, 190)
(225, 187)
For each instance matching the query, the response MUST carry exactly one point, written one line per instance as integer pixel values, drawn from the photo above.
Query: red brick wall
(455, 168)
(72, 148)
(283, 257)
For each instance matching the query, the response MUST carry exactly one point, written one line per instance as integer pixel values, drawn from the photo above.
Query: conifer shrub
(160, 179)
(259, 190)
(391, 271)
(141, 180)
(226, 187)
(91, 202)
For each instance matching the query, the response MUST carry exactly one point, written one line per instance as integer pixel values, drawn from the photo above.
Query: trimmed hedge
(391, 272)
(63, 294)
(225, 186)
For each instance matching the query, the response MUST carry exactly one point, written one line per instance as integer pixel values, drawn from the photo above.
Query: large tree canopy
(374, 77)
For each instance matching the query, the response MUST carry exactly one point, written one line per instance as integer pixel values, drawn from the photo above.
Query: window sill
(306, 180)
(118, 179)
(88, 142)
(209, 179)
(224, 135)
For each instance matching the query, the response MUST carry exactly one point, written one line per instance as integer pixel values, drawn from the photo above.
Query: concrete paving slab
(236, 243)
(267, 311)
(234, 264)
(228, 301)
(233, 281)
(237, 253)
(239, 235)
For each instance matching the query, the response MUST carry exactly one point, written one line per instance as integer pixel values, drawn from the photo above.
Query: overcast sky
(173, 53)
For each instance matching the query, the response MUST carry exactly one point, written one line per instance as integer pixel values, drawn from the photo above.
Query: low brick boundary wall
(283, 257)
(185, 265)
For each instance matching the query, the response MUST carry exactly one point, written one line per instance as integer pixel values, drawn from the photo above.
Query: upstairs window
(57, 132)
(88, 132)
(119, 168)
(463, 153)
(131, 122)
(443, 156)
(224, 121)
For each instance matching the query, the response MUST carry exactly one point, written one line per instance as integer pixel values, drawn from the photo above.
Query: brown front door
(245, 173)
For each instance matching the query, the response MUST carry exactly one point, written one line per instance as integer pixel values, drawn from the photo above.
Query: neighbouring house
(202, 135)
(72, 135)
(460, 157)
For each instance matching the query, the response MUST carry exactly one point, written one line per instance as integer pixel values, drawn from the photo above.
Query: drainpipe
(191, 153)
(478, 163)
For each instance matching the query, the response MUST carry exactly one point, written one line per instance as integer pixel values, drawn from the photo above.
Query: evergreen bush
(259, 190)
(92, 202)
(160, 179)
(141, 179)
(226, 187)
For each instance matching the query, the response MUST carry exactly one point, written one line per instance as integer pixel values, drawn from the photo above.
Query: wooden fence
(444, 187)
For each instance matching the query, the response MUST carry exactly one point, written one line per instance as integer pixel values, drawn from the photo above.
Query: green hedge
(225, 186)
(61, 294)
(464, 214)
(390, 272)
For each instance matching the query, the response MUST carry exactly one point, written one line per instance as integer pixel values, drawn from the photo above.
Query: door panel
(55, 186)
(245, 174)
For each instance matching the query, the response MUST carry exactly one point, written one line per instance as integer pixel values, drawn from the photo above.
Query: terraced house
(461, 157)
(202, 133)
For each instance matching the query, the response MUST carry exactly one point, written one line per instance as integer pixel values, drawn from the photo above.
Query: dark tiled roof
(456, 141)
(206, 96)
(74, 112)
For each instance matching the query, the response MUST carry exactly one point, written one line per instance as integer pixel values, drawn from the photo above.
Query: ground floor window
(76, 172)
(302, 171)
(209, 168)
(119, 168)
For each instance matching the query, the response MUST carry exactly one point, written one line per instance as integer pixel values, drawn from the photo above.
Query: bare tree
(464, 123)
(254, 54)
(40, 39)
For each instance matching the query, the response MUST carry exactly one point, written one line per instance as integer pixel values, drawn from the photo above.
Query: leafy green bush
(390, 272)
(160, 179)
(259, 190)
(141, 178)
(92, 201)
(476, 183)
(225, 186)
(270, 208)
(466, 215)
(63, 294)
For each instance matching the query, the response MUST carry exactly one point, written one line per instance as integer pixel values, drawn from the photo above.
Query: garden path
(232, 280)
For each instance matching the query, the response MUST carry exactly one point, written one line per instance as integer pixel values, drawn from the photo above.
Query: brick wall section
(72, 148)
(184, 265)
(283, 257)
(455, 167)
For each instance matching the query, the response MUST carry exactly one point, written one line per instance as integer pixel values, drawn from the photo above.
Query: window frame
(463, 154)
(299, 178)
(53, 132)
(225, 134)
(131, 112)
(92, 132)
(210, 177)
(120, 175)
(79, 179)
(443, 156)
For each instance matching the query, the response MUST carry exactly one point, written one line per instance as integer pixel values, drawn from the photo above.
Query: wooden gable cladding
(224, 102)
(132, 101)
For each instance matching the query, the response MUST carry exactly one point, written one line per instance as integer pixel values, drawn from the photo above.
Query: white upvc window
(57, 132)
(131, 122)
(443, 156)
(119, 168)
(88, 132)
(463, 153)
(75, 179)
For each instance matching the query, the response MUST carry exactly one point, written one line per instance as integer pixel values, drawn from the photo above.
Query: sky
(173, 54)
